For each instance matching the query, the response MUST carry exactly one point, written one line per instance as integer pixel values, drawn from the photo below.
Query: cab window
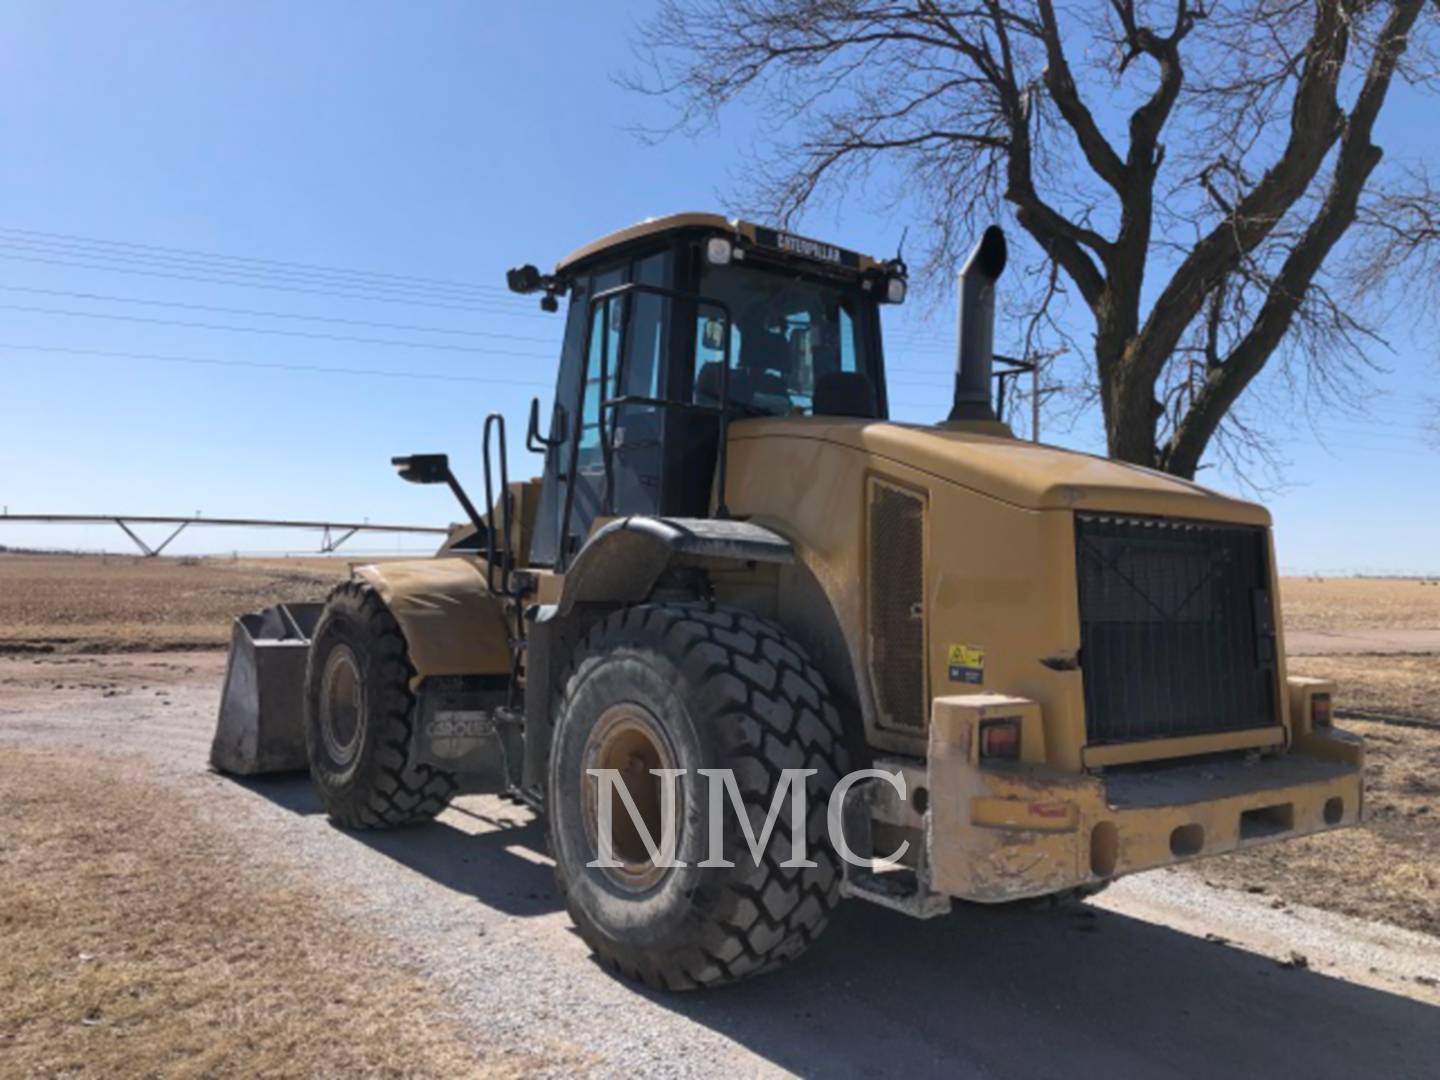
(789, 336)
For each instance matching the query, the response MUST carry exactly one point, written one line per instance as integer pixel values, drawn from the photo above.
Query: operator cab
(668, 320)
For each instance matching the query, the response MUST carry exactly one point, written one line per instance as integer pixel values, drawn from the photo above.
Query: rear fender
(749, 565)
(621, 563)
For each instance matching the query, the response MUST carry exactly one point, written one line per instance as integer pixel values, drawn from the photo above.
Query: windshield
(797, 347)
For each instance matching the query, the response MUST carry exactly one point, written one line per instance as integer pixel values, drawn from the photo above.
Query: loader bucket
(262, 709)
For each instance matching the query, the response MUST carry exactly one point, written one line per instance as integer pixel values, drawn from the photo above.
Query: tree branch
(1356, 160)
(1061, 83)
(1316, 122)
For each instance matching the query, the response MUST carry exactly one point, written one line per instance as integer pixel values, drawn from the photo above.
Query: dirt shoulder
(140, 939)
(1388, 868)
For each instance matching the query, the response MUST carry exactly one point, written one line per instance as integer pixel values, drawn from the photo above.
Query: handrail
(507, 555)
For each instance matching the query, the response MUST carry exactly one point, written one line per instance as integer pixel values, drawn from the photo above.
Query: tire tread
(401, 793)
(780, 704)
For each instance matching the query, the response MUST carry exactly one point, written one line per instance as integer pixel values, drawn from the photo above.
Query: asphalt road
(1132, 986)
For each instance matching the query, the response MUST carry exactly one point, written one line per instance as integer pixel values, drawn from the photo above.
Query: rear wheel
(358, 716)
(684, 687)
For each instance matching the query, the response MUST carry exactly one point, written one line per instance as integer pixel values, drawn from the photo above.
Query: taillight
(1000, 739)
(1319, 710)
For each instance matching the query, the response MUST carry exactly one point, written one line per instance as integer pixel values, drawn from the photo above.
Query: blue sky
(437, 141)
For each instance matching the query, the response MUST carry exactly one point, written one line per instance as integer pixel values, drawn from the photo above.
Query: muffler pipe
(975, 328)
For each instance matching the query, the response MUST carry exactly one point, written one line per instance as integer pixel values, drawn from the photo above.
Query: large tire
(714, 688)
(358, 716)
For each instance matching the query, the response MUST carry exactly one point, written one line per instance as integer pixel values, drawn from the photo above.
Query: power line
(410, 375)
(260, 313)
(241, 263)
(466, 349)
(243, 274)
(1398, 432)
(370, 297)
(391, 342)
(155, 260)
(274, 366)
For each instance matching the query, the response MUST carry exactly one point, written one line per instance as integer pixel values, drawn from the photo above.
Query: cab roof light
(718, 250)
(527, 279)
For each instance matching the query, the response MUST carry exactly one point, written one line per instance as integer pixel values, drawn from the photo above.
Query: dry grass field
(1360, 603)
(83, 603)
(142, 940)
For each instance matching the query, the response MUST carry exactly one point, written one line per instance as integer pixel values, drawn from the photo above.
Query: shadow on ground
(503, 865)
(980, 992)
(1029, 994)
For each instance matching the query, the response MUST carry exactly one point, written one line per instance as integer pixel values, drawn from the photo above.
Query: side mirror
(423, 468)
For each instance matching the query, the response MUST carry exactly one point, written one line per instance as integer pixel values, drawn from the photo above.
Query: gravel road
(1161, 976)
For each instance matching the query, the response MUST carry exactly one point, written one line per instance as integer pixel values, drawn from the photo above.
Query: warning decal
(967, 664)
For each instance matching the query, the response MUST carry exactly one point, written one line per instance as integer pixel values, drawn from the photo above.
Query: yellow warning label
(967, 656)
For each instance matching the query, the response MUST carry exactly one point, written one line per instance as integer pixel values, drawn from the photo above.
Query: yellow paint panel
(452, 623)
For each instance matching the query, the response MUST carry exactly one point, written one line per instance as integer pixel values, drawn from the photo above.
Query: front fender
(453, 624)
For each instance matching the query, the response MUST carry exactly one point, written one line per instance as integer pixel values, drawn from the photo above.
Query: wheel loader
(987, 670)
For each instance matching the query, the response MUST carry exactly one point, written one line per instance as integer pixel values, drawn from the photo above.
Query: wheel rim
(627, 738)
(342, 707)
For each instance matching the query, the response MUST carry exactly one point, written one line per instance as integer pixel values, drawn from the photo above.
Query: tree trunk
(1131, 414)
(1126, 396)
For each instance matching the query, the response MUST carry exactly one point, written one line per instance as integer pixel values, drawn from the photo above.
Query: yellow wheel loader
(752, 647)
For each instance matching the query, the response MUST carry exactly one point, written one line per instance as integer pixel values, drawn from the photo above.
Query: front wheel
(685, 687)
(358, 716)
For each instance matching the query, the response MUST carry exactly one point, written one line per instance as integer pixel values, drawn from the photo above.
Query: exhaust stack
(975, 328)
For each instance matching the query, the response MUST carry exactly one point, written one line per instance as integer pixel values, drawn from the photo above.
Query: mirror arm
(431, 469)
(465, 503)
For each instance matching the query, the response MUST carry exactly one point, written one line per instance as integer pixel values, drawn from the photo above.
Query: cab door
(627, 335)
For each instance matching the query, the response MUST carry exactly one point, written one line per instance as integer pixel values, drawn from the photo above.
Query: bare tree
(1203, 174)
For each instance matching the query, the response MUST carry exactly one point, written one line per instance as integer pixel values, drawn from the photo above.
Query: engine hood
(1029, 475)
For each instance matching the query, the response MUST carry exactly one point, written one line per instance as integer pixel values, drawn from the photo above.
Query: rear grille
(1176, 632)
(895, 608)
